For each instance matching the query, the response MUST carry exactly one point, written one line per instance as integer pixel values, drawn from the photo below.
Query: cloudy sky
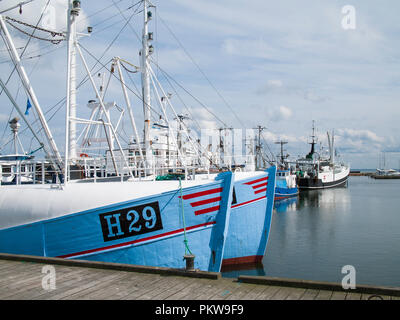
(276, 64)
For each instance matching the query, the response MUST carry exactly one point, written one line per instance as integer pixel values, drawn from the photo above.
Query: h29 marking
(131, 221)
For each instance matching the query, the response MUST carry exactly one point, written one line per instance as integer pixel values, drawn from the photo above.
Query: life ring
(82, 155)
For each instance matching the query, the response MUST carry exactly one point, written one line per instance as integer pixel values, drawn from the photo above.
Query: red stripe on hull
(261, 190)
(207, 210)
(202, 193)
(247, 202)
(260, 185)
(255, 181)
(207, 201)
(136, 241)
(241, 260)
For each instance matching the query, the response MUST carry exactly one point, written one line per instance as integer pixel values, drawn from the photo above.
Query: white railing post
(43, 175)
(34, 172)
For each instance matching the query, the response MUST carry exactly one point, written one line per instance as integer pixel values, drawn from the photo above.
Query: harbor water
(316, 234)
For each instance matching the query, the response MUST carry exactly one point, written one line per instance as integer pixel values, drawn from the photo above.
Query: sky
(280, 65)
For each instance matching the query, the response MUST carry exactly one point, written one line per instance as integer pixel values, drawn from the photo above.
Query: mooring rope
(185, 241)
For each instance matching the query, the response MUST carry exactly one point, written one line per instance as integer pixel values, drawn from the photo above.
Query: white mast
(70, 127)
(128, 104)
(145, 52)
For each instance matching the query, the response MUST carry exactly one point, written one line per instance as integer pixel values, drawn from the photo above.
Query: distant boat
(318, 172)
(386, 174)
(286, 184)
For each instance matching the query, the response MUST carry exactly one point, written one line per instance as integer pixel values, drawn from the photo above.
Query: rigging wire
(202, 72)
(21, 55)
(105, 67)
(196, 99)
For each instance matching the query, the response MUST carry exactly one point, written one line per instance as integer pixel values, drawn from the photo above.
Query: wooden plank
(310, 294)
(23, 280)
(162, 285)
(324, 295)
(353, 296)
(137, 282)
(234, 288)
(226, 290)
(107, 291)
(64, 281)
(137, 287)
(268, 293)
(296, 294)
(338, 295)
(282, 293)
(140, 287)
(241, 291)
(98, 288)
(15, 271)
(368, 296)
(254, 293)
(35, 290)
(95, 279)
(110, 266)
(202, 290)
(185, 292)
(173, 286)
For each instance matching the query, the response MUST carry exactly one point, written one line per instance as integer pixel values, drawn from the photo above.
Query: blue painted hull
(284, 193)
(216, 224)
(282, 190)
(250, 221)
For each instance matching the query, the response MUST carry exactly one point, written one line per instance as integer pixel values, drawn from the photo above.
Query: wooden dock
(29, 278)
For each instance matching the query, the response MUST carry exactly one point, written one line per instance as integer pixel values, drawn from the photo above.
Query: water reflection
(314, 235)
(286, 205)
(329, 198)
(303, 228)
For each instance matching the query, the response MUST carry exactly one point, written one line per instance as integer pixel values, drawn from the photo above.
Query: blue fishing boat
(286, 181)
(106, 223)
(113, 208)
(286, 185)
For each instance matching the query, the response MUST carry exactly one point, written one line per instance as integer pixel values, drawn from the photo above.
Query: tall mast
(70, 136)
(313, 142)
(145, 55)
(259, 147)
(282, 156)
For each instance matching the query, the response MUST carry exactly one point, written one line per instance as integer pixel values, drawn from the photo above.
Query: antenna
(283, 157)
(260, 129)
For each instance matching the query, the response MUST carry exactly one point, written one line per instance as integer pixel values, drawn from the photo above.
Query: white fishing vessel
(111, 206)
(317, 171)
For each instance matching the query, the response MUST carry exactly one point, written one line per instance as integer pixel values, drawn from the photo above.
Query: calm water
(314, 236)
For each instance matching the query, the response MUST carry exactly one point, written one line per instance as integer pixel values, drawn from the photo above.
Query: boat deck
(22, 277)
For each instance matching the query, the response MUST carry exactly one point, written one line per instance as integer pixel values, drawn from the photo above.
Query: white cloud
(361, 135)
(280, 113)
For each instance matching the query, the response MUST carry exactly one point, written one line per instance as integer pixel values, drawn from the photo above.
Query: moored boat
(316, 171)
(115, 210)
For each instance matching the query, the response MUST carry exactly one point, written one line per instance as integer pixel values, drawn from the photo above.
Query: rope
(53, 33)
(34, 151)
(185, 241)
